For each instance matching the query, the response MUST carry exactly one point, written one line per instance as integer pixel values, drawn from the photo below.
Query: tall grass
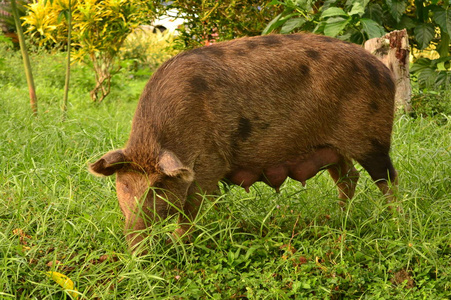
(55, 216)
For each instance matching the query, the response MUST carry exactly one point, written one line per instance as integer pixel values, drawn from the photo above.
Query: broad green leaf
(319, 27)
(333, 12)
(358, 8)
(305, 5)
(427, 77)
(424, 33)
(372, 28)
(397, 8)
(335, 25)
(443, 18)
(406, 22)
(375, 12)
(292, 24)
(420, 64)
(443, 46)
(443, 77)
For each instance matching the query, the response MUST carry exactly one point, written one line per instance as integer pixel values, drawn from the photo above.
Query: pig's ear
(108, 164)
(171, 165)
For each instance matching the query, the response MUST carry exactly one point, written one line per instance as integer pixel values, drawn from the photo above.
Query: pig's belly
(274, 175)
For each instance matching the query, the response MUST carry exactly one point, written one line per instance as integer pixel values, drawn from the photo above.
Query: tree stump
(393, 50)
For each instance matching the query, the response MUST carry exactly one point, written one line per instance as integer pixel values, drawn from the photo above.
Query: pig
(252, 109)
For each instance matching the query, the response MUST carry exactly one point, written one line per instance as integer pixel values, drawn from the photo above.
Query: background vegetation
(98, 32)
(56, 217)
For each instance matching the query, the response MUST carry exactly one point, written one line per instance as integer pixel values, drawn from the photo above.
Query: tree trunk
(66, 84)
(26, 60)
(393, 50)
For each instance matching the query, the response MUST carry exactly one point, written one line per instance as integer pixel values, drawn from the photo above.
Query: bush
(428, 24)
(99, 30)
(146, 49)
(220, 20)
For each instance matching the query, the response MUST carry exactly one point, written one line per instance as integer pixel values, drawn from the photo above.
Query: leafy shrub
(432, 72)
(147, 49)
(218, 20)
(428, 24)
(100, 28)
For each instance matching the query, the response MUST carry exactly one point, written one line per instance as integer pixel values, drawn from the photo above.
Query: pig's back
(284, 92)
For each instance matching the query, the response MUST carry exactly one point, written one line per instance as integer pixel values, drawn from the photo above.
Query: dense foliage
(428, 24)
(99, 30)
(210, 21)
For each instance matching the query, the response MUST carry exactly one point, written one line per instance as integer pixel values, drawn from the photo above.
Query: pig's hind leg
(381, 170)
(345, 176)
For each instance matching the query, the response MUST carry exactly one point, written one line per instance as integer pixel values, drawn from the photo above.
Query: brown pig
(253, 109)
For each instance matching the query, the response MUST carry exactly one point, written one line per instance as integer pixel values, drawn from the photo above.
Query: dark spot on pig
(294, 37)
(313, 54)
(328, 39)
(198, 84)
(251, 44)
(239, 51)
(244, 128)
(304, 71)
(374, 106)
(213, 50)
(270, 40)
(196, 51)
(374, 74)
(354, 68)
(210, 51)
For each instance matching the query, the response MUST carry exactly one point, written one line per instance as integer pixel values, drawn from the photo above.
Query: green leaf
(372, 28)
(319, 27)
(442, 78)
(305, 5)
(424, 33)
(275, 23)
(335, 25)
(397, 8)
(427, 77)
(443, 46)
(333, 12)
(358, 8)
(406, 22)
(420, 64)
(292, 24)
(443, 18)
(375, 12)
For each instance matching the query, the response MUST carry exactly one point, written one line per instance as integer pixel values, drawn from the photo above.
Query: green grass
(298, 244)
